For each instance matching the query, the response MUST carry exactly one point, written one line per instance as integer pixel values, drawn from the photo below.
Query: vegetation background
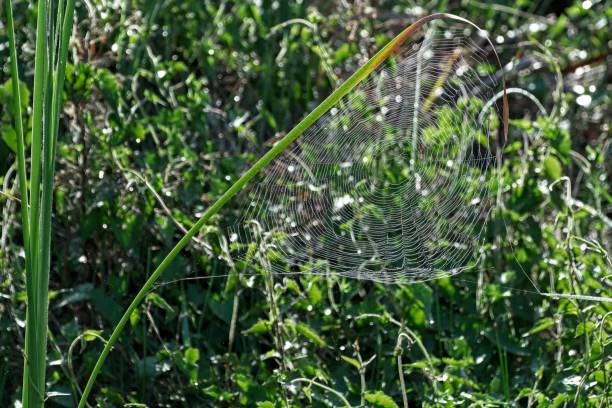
(166, 102)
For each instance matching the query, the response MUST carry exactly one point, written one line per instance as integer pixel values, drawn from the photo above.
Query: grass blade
(35, 354)
(23, 178)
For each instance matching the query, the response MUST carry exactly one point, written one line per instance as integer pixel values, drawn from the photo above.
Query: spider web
(393, 184)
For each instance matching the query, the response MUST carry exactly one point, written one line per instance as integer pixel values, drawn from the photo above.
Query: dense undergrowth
(168, 102)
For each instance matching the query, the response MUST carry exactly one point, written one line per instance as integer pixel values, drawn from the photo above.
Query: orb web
(394, 183)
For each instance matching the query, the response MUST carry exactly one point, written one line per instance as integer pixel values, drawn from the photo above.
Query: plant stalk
(35, 350)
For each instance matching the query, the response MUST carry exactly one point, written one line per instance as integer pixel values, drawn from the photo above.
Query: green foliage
(380, 399)
(187, 95)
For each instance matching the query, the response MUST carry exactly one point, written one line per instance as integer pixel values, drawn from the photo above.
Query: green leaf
(135, 317)
(584, 328)
(107, 83)
(559, 400)
(308, 332)
(416, 316)
(148, 368)
(354, 362)
(6, 95)
(192, 355)
(342, 53)
(78, 294)
(552, 168)
(599, 376)
(244, 383)
(106, 306)
(10, 137)
(542, 325)
(293, 287)
(380, 399)
(222, 308)
(270, 119)
(159, 302)
(261, 326)
(91, 335)
(314, 294)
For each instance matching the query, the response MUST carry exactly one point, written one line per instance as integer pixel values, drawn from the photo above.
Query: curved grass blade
(35, 353)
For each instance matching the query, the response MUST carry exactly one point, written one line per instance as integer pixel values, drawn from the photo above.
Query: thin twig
(400, 371)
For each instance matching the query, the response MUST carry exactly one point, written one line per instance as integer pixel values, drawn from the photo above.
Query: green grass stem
(21, 168)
